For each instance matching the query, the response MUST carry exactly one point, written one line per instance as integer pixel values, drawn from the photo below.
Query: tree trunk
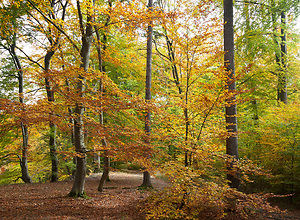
(146, 180)
(71, 126)
(23, 160)
(230, 109)
(52, 126)
(50, 92)
(79, 181)
(282, 87)
(105, 172)
(146, 175)
(24, 165)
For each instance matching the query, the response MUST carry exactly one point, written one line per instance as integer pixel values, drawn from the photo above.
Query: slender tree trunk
(52, 126)
(230, 109)
(105, 173)
(79, 181)
(71, 126)
(50, 92)
(188, 154)
(23, 160)
(282, 87)
(106, 159)
(146, 175)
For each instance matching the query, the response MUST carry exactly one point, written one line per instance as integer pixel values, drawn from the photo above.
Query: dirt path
(49, 201)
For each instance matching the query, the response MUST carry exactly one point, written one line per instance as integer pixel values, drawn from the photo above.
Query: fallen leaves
(49, 200)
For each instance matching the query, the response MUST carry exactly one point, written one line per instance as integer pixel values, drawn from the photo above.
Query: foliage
(276, 146)
(187, 142)
(192, 196)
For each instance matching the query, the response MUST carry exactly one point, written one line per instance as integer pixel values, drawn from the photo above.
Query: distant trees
(265, 55)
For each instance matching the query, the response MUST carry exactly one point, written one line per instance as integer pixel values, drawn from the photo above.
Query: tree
(282, 74)
(23, 160)
(146, 175)
(53, 41)
(11, 44)
(230, 109)
(86, 31)
(102, 69)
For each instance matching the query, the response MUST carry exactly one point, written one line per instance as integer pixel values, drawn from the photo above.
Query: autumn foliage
(81, 66)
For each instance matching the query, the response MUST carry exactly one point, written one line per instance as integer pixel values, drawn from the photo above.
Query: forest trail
(49, 200)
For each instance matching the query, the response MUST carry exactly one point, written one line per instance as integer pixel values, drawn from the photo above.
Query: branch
(34, 90)
(253, 2)
(208, 113)
(246, 80)
(20, 159)
(161, 54)
(28, 57)
(55, 25)
(80, 18)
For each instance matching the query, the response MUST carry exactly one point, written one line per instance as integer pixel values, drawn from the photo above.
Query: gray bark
(230, 109)
(79, 181)
(106, 160)
(52, 126)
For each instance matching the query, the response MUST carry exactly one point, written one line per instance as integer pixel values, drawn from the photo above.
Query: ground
(49, 201)
(120, 200)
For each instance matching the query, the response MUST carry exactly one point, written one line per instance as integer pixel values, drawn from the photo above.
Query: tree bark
(105, 173)
(106, 160)
(52, 126)
(79, 181)
(230, 109)
(146, 175)
(23, 160)
(282, 81)
(50, 92)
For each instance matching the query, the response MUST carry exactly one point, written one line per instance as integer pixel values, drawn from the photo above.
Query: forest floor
(120, 200)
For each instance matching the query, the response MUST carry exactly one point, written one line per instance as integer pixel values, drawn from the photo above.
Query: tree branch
(28, 57)
(55, 25)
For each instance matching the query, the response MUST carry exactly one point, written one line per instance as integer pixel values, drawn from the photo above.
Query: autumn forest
(203, 95)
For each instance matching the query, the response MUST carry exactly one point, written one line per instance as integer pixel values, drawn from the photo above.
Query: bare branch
(55, 25)
(28, 57)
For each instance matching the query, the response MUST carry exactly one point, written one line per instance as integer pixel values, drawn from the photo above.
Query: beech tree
(10, 45)
(231, 108)
(86, 31)
(54, 42)
(102, 69)
(146, 175)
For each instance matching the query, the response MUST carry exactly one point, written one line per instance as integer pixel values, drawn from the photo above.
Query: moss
(78, 195)
(145, 187)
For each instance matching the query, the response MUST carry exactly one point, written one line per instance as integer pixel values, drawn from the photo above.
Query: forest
(201, 94)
